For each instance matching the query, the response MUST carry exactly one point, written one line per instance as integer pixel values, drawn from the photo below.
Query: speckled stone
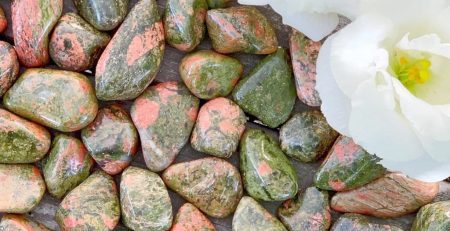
(189, 218)
(267, 173)
(15, 222)
(3, 21)
(102, 14)
(214, 4)
(356, 222)
(213, 185)
(433, 217)
(9, 66)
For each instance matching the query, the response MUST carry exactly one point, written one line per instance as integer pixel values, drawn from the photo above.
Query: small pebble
(15, 222)
(356, 222)
(189, 218)
(3, 21)
(9, 66)
(433, 217)
(104, 14)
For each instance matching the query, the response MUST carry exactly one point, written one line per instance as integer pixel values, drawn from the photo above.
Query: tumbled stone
(21, 141)
(308, 211)
(62, 100)
(433, 217)
(93, 205)
(356, 222)
(104, 14)
(405, 195)
(75, 45)
(189, 218)
(67, 165)
(111, 139)
(241, 29)
(9, 66)
(32, 23)
(15, 222)
(208, 74)
(213, 185)
(220, 125)
(213, 4)
(347, 166)
(268, 91)
(3, 21)
(22, 188)
(164, 116)
(131, 60)
(250, 215)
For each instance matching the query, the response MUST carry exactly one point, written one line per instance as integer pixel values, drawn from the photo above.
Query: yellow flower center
(411, 71)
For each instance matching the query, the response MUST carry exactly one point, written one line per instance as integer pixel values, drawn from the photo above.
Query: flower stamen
(411, 71)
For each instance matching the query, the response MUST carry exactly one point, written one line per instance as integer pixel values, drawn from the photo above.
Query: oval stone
(208, 74)
(164, 116)
(433, 217)
(9, 66)
(67, 165)
(220, 125)
(15, 222)
(104, 14)
(3, 21)
(356, 222)
(213, 185)
(241, 29)
(267, 173)
(144, 200)
(22, 188)
(213, 4)
(189, 218)
(62, 100)
(93, 205)
(75, 45)
(32, 23)
(21, 141)
(131, 60)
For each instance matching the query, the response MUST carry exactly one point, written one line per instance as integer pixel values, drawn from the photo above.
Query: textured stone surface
(356, 222)
(9, 66)
(433, 217)
(189, 218)
(15, 222)
(3, 21)
(213, 4)
(103, 14)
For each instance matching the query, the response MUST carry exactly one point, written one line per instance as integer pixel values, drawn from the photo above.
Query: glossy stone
(213, 4)
(111, 139)
(32, 23)
(131, 60)
(3, 21)
(213, 185)
(268, 91)
(9, 66)
(433, 217)
(22, 188)
(208, 74)
(164, 116)
(62, 100)
(102, 14)
(189, 218)
(241, 29)
(15, 222)
(220, 125)
(356, 222)
(75, 45)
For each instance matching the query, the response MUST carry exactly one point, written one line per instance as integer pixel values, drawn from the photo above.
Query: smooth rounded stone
(32, 23)
(75, 45)
(220, 125)
(251, 216)
(102, 14)
(405, 195)
(208, 74)
(241, 29)
(356, 222)
(131, 60)
(164, 116)
(189, 218)
(21, 141)
(433, 217)
(62, 100)
(347, 166)
(67, 165)
(144, 200)
(93, 205)
(267, 173)
(111, 139)
(22, 188)
(213, 185)
(15, 222)
(268, 91)
(307, 136)
(184, 23)
(214, 4)
(9, 66)
(308, 211)
(3, 21)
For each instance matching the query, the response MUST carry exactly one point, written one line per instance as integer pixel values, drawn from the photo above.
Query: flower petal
(315, 26)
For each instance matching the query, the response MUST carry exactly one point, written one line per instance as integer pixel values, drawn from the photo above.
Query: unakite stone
(164, 116)
(3, 21)
(9, 66)
(308, 211)
(16, 222)
(22, 188)
(220, 125)
(131, 60)
(21, 141)
(213, 4)
(189, 218)
(356, 222)
(184, 23)
(267, 173)
(102, 14)
(433, 217)
(75, 45)
(111, 139)
(268, 91)
(208, 74)
(241, 29)
(144, 200)
(307, 136)
(93, 205)
(251, 216)
(67, 165)
(32, 23)
(213, 185)
(347, 166)
(62, 100)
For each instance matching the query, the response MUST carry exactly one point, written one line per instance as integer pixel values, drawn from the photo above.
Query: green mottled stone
(267, 173)
(356, 222)
(268, 91)
(103, 14)
(213, 4)
(15, 222)
(9, 66)
(433, 217)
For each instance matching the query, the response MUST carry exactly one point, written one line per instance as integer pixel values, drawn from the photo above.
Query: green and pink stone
(104, 15)
(3, 21)
(189, 218)
(433, 217)
(357, 222)
(9, 66)
(16, 222)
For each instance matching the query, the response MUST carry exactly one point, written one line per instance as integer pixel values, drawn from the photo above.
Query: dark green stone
(356, 222)
(213, 4)
(102, 14)
(433, 217)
